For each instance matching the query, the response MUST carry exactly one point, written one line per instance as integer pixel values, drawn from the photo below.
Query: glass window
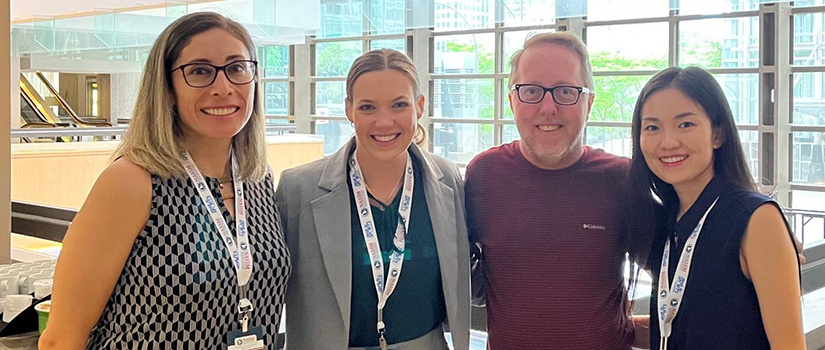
(387, 16)
(277, 121)
(276, 98)
(469, 54)
(463, 14)
(329, 98)
(460, 142)
(693, 7)
(750, 145)
(514, 41)
(808, 3)
(524, 13)
(808, 164)
(808, 230)
(507, 112)
(273, 61)
(807, 31)
(599, 10)
(803, 28)
(463, 98)
(809, 103)
(509, 133)
(613, 140)
(742, 93)
(336, 133)
(616, 97)
(340, 18)
(803, 90)
(395, 44)
(610, 50)
(804, 56)
(712, 43)
(334, 59)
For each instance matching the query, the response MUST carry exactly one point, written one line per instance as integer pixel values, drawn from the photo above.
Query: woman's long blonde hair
(153, 140)
(381, 59)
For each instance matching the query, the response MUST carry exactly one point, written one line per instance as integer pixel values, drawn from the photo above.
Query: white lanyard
(240, 253)
(670, 297)
(369, 230)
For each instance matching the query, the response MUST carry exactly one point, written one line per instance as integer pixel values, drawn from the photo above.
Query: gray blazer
(315, 211)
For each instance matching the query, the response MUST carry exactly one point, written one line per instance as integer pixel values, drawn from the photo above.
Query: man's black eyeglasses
(563, 94)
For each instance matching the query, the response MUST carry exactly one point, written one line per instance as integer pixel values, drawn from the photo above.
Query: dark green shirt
(417, 305)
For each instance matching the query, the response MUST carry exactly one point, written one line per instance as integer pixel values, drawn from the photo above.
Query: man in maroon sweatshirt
(545, 213)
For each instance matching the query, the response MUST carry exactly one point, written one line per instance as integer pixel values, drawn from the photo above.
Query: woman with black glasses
(179, 242)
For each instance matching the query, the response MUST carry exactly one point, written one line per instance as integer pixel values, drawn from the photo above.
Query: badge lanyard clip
(244, 309)
(382, 341)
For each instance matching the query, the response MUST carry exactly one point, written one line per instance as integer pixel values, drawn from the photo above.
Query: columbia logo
(593, 227)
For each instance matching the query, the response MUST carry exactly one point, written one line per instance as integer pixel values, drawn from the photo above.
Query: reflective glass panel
(616, 97)
(808, 161)
(276, 98)
(334, 59)
(613, 140)
(471, 54)
(336, 133)
(463, 98)
(460, 142)
(463, 14)
(628, 47)
(329, 98)
(742, 91)
(808, 98)
(719, 43)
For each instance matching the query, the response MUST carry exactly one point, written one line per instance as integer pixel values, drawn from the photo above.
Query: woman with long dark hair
(725, 270)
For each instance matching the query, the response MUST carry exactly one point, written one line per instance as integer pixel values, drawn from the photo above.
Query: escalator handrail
(28, 90)
(36, 111)
(35, 125)
(66, 106)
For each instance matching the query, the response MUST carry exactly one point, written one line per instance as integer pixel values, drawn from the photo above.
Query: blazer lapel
(441, 204)
(331, 213)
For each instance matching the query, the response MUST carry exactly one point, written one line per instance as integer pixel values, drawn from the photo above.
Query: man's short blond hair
(563, 39)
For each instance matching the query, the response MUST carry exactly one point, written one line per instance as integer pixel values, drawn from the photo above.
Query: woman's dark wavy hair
(647, 213)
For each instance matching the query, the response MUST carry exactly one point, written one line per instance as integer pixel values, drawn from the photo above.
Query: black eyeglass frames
(563, 94)
(200, 75)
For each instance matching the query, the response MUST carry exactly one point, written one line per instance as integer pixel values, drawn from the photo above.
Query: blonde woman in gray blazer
(410, 266)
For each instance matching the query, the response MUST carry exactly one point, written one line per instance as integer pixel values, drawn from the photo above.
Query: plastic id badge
(251, 340)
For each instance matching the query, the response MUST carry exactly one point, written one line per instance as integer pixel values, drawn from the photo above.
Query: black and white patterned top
(178, 288)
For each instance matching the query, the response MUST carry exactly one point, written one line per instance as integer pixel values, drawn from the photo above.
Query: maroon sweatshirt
(553, 250)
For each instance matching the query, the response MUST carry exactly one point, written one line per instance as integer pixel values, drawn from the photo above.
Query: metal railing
(800, 218)
(111, 131)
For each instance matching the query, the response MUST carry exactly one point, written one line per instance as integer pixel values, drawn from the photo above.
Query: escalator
(30, 114)
(36, 114)
(63, 111)
(42, 106)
